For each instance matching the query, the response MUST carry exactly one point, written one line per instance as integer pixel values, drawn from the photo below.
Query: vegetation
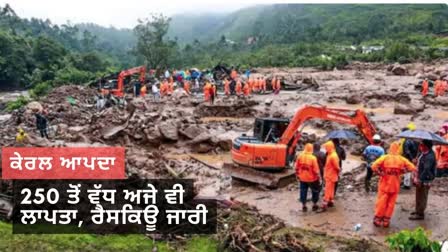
(413, 241)
(87, 242)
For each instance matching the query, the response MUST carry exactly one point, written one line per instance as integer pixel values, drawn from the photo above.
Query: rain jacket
(21, 136)
(331, 170)
(427, 166)
(307, 168)
(442, 155)
(390, 167)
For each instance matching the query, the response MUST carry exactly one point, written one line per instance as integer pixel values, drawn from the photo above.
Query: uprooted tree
(152, 43)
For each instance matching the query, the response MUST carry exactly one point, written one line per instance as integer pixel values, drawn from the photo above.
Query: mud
(184, 137)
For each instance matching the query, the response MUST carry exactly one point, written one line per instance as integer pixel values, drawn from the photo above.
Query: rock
(153, 136)
(399, 70)
(62, 129)
(34, 106)
(179, 94)
(77, 129)
(169, 131)
(203, 137)
(410, 109)
(192, 131)
(432, 76)
(420, 76)
(354, 99)
(443, 74)
(268, 102)
(202, 148)
(374, 103)
(357, 149)
(277, 114)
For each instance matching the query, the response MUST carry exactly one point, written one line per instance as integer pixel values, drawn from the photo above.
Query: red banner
(63, 163)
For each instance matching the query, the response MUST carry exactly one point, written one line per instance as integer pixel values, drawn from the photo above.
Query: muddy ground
(183, 137)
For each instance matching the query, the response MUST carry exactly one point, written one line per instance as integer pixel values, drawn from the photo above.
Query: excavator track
(271, 180)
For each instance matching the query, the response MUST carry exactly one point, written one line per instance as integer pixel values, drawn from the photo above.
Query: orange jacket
(278, 86)
(390, 167)
(227, 87)
(187, 87)
(273, 82)
(263, 84)
(238, 87)
(332, 168)
(246, 89)
(307, 168)
(143, 91)
(441, 152)
(425, 87)
(164, 88)
(250, 81)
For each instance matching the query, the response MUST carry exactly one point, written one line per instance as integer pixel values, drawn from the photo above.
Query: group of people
(440, 87)
(251, 85)
(419, 162)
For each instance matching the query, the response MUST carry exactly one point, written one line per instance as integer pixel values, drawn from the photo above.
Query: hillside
(286, 23)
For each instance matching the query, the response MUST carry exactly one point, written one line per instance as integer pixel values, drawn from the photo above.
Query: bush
(18, 103)
(40, 89)
(413, 241)
(71, 75)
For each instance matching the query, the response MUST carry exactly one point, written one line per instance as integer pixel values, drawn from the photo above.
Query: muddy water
(351, 209)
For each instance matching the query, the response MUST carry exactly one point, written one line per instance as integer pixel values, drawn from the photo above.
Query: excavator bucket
(271, 180)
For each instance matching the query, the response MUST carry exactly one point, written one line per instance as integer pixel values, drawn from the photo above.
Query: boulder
(169, 131)
(374, 103)
(268, 102)
(202, 148)
(432, 76)
(409, 109)
(192, 131)
(153, 136)
(202, 138)
(34, 106)
(354, 99)
(443, 74)
(420, 76)
(399, 70)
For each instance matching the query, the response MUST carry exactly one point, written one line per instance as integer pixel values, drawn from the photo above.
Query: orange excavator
(118, 89)
(264, 157)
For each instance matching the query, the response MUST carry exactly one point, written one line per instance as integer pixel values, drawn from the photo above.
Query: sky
(118, 13)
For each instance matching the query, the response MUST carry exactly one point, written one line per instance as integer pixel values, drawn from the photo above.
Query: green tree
(151, 41)
(47, 52)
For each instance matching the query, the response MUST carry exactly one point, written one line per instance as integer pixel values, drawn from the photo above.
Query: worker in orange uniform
(250, 81)
(255, 85)
(246, 89)
(263, 85)
(331, 174)
(273, 83)
(278, 86)
(425, 87)
(171, 86)
(307, 172)
(207, 89)
(187, 87)
(238, 87)
(389, 167)
(143, 90)
(226, 87)
(164, 88)
(437, 88)
(441, 152)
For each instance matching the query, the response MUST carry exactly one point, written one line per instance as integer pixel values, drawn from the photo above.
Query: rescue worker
(137, 88)
(187, 87)
(250, 81)
(226, 87)
(263, 85)
(256, 85)
(238, 88)
(164, 88)
(331, 175)
(41, 124)
(212, 91)
(409, 150)
(425, 87)
(21, 137)
(371, 154)
(246, 89)
(437, 88)
(207, 90)
(171, 86)
(441, 152)
(143, 90)
(389, 167)
(426, 172)
(321, 157)
(307, 172)
(278, 86)
(273, 83)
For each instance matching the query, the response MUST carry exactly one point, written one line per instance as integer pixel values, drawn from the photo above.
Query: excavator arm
(291, 135)
(123, 74)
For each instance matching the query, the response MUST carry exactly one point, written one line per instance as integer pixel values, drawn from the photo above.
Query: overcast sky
(119, 13)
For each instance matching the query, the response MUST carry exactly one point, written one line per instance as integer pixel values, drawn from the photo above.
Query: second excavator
(264, 157)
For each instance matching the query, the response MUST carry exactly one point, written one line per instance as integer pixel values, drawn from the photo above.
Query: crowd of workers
(440, 87)
(233, 84)
(419, 162)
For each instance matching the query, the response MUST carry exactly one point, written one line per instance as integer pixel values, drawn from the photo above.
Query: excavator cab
(270, 129)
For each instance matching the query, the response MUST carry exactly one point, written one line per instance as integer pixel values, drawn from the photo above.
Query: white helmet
(377, 137)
